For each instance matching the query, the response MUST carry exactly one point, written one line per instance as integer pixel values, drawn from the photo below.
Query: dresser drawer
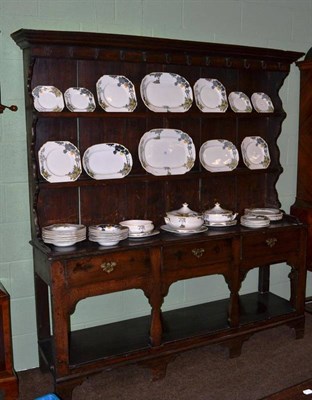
(196, 254)
(111, 266)
(271, 245)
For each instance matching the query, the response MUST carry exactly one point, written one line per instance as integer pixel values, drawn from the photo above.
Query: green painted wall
(282, 24)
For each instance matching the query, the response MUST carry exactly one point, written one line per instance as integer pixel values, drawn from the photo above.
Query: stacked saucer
(274, 214)
(63, 234)
(254, 221)
(108, 234)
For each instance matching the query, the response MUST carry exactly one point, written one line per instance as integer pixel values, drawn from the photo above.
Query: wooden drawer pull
(198, 252)
(108, 266)
(271, 242)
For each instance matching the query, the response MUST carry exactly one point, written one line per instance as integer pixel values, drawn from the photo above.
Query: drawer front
(196, 254)
(272, 245)
(111, 266)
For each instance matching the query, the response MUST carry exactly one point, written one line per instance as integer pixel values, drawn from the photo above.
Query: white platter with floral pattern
(218, 155)
(107, 161)
(79, 99)
(166, 152)
(210, 95)
(262, 102)
(255, 152)
(47, 99)
(59, 161)
(116, 93)
(240, 102)
(166, 92)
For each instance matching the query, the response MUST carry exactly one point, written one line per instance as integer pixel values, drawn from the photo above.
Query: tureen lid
(184, 211)
(217, 209)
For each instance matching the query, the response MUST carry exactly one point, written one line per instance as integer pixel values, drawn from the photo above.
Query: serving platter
(48, 99)
(218, 155)
(116, 93)
(59, 161)
(181, 231)
(107, 161)
(255, 152)
(240, 102)
(166, 92)
(79, 99)
(210, 95)
(166, 152)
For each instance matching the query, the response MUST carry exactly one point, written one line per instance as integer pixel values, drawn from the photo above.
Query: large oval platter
(166, 92)
(167, 152)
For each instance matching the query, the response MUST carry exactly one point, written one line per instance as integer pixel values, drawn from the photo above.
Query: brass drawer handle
(198, 252)
(108, 266)
(271, 242)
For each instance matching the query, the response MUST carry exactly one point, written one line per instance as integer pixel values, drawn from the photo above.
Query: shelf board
(122, 339)
(149, 114)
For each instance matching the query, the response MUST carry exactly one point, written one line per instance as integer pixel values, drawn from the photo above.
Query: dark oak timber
(152, 265)
(302, 208)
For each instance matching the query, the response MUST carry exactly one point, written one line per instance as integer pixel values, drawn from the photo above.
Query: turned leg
(298, 327)
(235, 345)
(158, 366)
(64, 389)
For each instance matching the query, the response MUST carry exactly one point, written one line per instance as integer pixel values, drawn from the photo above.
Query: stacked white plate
(108, 234)
(63, 234)
(254, 221)
(274, 214)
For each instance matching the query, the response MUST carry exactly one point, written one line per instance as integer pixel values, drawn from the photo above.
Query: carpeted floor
(270, 361)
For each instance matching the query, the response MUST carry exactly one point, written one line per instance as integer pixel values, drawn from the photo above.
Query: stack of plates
(107, 234)
(254, 221)
(63, 234)
(274, 214)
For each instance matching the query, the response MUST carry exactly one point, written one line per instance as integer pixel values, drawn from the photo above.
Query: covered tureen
(184, 218)
(218, 214)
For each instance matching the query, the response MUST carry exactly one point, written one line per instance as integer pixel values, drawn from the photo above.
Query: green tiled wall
(283, 24)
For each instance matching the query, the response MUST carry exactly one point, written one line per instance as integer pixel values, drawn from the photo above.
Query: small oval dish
(79, 99)
(255, 152)
(116, 93)
(107, 161)
(240, 102)
(166, 92)
(262, 102)
(210, 95)
(218, 155)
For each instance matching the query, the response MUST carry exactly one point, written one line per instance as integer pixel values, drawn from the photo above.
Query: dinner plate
(59, 161)
(107, 161)
(218, 155)
(262, 102)
(79, 99)
(274, 214)
(210, 95)
(47, 99)
(116, 93)
(166, 92)
(166, 152)
(240, 102)
(255, 152)
(179, 231)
